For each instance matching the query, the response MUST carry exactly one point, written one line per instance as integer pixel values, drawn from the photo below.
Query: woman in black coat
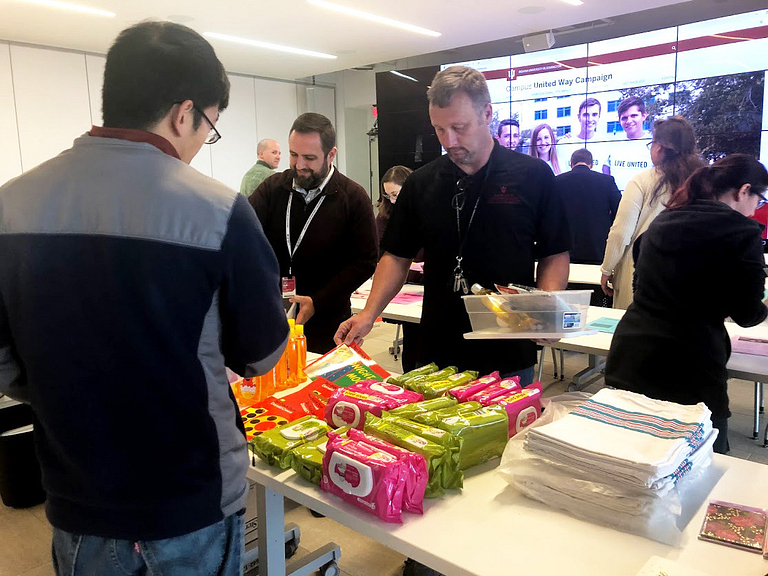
(699, 262)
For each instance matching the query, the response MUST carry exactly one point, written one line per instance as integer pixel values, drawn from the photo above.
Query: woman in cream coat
(674, 159)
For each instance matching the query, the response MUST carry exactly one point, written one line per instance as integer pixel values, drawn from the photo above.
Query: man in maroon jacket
(321, 226)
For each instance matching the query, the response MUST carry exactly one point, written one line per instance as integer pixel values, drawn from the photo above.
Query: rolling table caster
(330, 569)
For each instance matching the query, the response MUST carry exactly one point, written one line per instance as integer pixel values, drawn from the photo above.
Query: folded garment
(462, 393)
(365, 476)
(422, 371)
(443, 464)
(417, 476)
(410, 410)
(639, 439)
(523, 408)
(503, 388)
(273, 446)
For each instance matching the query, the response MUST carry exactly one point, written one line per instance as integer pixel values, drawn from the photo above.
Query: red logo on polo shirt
(504, 196)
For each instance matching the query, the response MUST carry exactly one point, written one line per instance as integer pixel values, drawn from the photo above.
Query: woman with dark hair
(699, 262)
(673, 153)
(544, 146)
(390, 186)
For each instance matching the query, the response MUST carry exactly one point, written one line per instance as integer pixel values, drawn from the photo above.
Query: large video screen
(605, 96)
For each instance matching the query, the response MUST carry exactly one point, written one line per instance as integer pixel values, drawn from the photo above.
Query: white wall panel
(52, 101)
(235, 153)
(10, 156)
(95, 68)
(276, 109)
(202, 162)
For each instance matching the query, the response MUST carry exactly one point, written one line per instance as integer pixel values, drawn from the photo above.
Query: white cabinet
(276, 109)
(10, 156)
(235, 153)
(52, 101)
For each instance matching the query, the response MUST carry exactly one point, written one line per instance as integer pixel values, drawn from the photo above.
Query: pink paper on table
(747, 345)
(407, 298)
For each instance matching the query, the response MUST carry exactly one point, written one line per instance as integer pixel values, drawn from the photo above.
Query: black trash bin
(20, 485)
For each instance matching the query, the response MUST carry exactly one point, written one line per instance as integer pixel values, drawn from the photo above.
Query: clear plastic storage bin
(529, 315)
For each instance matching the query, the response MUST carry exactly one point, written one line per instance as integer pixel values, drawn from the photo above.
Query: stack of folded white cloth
(629, 438)
(618, 458)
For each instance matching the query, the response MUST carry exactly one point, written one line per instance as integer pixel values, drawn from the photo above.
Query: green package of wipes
(307, 460)
(433, 388)
(438, 375)
(410, 410)
(483, 432)
(443, 472)
(423, 371)
(273, 446)
(433, 417)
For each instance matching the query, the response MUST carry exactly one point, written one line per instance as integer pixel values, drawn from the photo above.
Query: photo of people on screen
(629, 153)
(589, 115)
(632, 117)
(508, 133)
(544, 146)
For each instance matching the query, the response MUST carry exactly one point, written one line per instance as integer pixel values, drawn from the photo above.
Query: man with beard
(321, 226)
(483, 214)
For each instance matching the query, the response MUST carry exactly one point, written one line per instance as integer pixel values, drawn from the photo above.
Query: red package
(313, 398)
(266, 415)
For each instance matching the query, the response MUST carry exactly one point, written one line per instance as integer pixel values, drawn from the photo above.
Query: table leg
(271, 514)
(758, 402)
(581, 379)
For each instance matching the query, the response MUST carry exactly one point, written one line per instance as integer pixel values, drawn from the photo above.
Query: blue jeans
(216, 549)
(526, 375)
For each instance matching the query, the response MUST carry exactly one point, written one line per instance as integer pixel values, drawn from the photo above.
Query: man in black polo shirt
(509, 214)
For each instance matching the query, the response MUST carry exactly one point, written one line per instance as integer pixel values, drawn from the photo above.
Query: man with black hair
(321, 227)
(128, 282)
(508, 133)
(591, 200)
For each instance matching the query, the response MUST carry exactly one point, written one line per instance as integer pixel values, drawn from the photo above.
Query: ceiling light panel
(373, 17)
(268, 45)
(73, 7)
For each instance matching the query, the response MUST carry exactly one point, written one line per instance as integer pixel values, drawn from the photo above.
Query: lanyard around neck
(292, 249)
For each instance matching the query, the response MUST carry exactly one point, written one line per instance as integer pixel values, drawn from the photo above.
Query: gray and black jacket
(128, 281)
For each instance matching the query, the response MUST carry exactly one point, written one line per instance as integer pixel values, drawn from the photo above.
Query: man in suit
(591, 200)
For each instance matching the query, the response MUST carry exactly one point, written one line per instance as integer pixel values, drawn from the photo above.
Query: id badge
(289, 286)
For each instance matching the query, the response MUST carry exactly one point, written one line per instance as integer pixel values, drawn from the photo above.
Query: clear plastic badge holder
(536, 314)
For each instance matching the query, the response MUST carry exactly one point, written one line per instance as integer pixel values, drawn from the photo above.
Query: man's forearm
(389, 277)
(552, 273)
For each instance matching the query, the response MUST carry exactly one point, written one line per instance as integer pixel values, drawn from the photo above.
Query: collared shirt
(310, 195)
(135, 136)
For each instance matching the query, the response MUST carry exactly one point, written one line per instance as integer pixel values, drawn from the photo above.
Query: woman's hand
(607, 290)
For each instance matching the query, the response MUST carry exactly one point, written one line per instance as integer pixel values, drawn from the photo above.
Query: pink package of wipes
(348, 408)
(522, 407)
(395, 395)
(502, 388)
(462, 393)
(367, 477)
(417, 474)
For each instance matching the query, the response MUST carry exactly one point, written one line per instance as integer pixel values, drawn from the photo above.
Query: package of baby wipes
(368, 477)
(422, 371)
(483, 433)
(522, 408)
(417, 474)
(395, 395)
(442, 464)
(348, 408)
(435, 388)
(410, 383)
(462, 393)
(410, 410)
(273, 446)
(503, 388)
